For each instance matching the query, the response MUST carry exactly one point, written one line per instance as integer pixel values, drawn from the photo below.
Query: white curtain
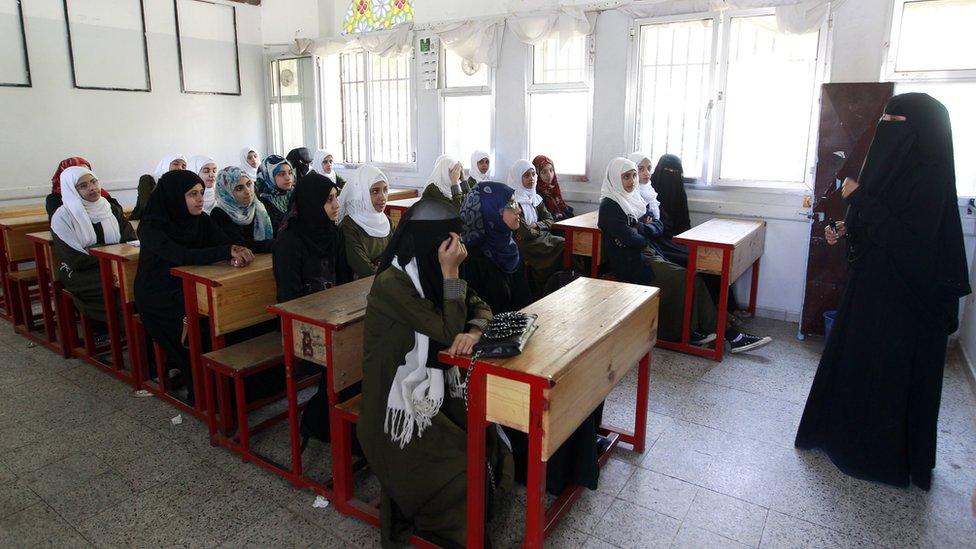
(565, 23)
(476, 41)
(385, 43)
(792, 16)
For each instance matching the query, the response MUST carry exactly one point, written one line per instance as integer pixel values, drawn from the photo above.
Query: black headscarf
(668, 181)
(307, 217)
(300, 159)
(166, 208)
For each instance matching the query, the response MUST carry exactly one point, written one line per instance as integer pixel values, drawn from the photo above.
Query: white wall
(123, 134)
(281, 19)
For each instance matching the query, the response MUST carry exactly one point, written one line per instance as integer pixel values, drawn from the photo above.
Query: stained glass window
(370, 15)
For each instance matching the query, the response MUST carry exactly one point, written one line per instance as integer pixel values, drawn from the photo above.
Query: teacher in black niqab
(874, 404)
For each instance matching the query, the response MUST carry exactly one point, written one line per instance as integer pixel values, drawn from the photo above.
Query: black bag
(560, 279)
(506, 335)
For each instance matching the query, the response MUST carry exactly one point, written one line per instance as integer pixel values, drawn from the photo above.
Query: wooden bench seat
(248, 355)
(24, 276)
(351, 406)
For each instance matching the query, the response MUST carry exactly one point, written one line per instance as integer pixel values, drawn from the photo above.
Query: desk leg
(643, 390)
(595, 255)
(722, 318)
(44, 289)
(689, 293)
(133, 344)
(111, 315)
(477, 424)
(4, 269)
(192, 311)
(754, 289)
(568, 249)
(535, 482)
(292, 391)
(341, 431)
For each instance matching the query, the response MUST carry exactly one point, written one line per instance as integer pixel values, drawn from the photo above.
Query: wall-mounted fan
(470, 68)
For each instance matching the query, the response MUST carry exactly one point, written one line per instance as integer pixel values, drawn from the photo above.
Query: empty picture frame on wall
(14, 63)
(107, 44)
(206, 38)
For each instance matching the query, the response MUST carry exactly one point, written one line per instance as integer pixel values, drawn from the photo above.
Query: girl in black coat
(239, 213)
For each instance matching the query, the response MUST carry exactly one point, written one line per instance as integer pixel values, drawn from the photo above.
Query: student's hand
(450, 255)
(464, 342)
(455, 173)
(850, 185)
(241, 256)
(833, 236)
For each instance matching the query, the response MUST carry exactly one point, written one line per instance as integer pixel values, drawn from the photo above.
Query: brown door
(849, 114)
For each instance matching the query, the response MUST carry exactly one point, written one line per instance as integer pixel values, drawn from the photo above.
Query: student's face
(546, 174)
(208, 174)
(484, 164)
(178, 164)
(88, 187)
(252, 159)
(644, 171)
(378, 194)
(194, 200)
(510, 215)
(285, 178)
(629, 179)
(332, 205)
(528, 178)
(244, 191)
(327, 164)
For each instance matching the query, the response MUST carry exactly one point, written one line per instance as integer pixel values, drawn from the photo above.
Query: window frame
(275, 99)
(446, 92)
(531, 88)
(410, 166)
(889, 70)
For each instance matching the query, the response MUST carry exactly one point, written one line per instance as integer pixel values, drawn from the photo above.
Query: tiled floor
(84, 463)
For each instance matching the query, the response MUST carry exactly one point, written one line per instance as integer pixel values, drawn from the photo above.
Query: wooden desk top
(45, 236)
(222, 272)
(124, 252)
(21, 210)
(587, 221)
(335, 307)
(404, 203)
(722, 231)
(400, 193)
(24, 220)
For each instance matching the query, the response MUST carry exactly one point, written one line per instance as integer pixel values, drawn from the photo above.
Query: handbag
(506, 335)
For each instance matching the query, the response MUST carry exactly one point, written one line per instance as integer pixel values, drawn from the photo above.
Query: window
(731, 95)
(293, 102)
(560, 103)
(466, 108)
(376, 109)
(932, 39)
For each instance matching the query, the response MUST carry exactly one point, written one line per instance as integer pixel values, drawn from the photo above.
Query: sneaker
(747, 342)
(699, 338)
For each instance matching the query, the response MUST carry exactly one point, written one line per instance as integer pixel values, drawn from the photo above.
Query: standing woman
(239, 213)
(549, 188)
(85, 219)
(299, 159)
(275, 183)
(413, 419)
(323, 162)
(250, 162)
(480, 170)
(874, 404)
(444, 181)
(148, 182)
(206, 168)
(365, 229)
(669, 182)
(174, 232)
(542, 250)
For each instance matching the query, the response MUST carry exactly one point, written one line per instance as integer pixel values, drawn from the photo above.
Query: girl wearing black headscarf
(874, 404)
(668, 181)
(174, 231)
(300, 159)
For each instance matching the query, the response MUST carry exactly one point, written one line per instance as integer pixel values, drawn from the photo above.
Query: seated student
(412, 416)
(275, 183)
(206, 168)
(668, 181)
(239, 213)
(548, 188)
(480, 170)
(673, 252)
(444, 181)
(53, 201)
(174, 232)
(148, 182)
(542, 250)
(628, 235)
(366, 230)
(299, 159)
(323, 163)
(250, 162)
(85, 219)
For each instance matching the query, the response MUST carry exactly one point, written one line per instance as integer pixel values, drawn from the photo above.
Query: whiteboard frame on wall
(145, 51)
(184, 86)
(23, 38)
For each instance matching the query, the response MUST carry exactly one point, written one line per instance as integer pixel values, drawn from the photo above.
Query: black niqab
(668, 181)
(166, 208)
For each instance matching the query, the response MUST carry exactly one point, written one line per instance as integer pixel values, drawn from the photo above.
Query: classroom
(488, 273)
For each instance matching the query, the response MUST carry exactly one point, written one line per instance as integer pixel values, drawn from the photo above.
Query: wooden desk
(117, 264)
(397, 193)
(591, 334)
(44, 262)
(16, 249)
(582, 238)
(326, 328)
(395, 208)
(22, 210)
(231, 298)
(724, 247)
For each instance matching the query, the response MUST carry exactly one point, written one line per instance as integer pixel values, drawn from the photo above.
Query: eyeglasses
(87, 184)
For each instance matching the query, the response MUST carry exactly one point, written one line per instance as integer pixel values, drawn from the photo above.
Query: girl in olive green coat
(542, 250)
(365, 228)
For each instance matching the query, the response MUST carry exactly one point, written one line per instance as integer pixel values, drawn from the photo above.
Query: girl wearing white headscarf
(644, 186)
(323, 162)
(206, 168)
(250, 162)
(542, 250)
(147, 183)
(85, 219)
(475, 173)
(444, 180)
(628, 235)
(363, 224)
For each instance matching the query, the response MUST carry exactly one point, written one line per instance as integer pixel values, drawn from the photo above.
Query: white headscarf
(440, 177)
(163, 165)
(613, 188)
(195, 164)
(318, 158)
(527, 198)
(474, 171)
(250, 170)
(646, 190)
(355, 202)
(74, 222)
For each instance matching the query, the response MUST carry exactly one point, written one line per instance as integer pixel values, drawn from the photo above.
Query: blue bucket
(828, 322)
